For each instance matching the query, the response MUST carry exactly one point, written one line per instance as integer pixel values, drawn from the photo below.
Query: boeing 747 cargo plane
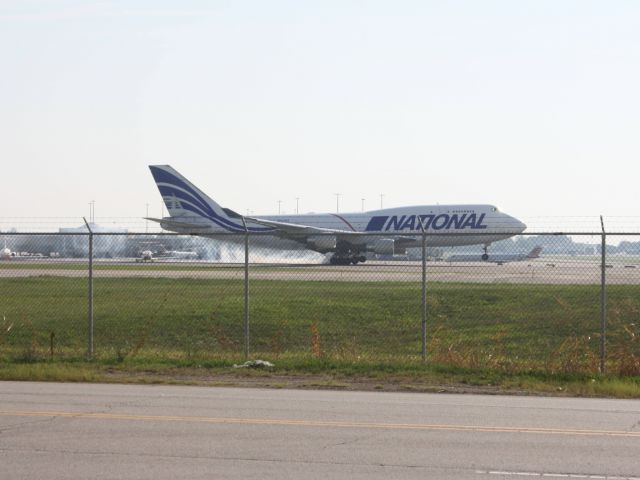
(347, 235)
(500, 258)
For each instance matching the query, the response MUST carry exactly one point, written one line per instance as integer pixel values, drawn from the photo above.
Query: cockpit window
(494, 209)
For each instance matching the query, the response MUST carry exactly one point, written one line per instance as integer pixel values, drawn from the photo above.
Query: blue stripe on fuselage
(376, 224)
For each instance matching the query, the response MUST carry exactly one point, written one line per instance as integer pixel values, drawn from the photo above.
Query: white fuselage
(445, 225)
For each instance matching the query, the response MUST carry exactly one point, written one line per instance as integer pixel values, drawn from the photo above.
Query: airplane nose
(520, 226)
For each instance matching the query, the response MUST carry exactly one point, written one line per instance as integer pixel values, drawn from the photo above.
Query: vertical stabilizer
(181, 197)
(192, 206)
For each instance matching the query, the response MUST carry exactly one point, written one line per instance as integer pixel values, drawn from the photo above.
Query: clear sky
(532, 106)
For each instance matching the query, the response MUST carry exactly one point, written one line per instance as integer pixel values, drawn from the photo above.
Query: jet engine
(322, 243)
(383, 246)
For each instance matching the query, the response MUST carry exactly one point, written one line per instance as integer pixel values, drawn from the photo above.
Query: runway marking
(554, 475)
(312, 423)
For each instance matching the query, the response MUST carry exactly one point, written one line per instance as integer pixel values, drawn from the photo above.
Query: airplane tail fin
(535, 253)
(182, 198)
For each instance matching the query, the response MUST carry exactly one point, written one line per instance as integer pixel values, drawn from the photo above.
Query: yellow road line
(312, 423)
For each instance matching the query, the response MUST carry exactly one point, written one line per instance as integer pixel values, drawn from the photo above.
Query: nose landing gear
(485, 255)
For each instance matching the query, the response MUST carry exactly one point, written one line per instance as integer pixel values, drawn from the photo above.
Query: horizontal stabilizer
(174, 223)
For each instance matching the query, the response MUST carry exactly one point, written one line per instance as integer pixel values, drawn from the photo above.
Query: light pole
(279, 204)
(146, 222)
(297, 205)
(381, 197)
(337, 202)
(362, 204)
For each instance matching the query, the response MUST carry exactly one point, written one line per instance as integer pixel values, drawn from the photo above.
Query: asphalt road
(57, 431)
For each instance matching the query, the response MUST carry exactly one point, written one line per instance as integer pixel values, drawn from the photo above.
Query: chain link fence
(546, 302)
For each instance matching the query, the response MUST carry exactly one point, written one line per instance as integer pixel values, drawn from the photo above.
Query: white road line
(553, 475)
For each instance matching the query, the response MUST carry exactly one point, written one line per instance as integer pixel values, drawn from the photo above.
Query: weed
(316, 350)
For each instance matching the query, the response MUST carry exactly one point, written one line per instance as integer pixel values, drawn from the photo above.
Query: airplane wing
(175, 223)
(295, 230)
(298, 230)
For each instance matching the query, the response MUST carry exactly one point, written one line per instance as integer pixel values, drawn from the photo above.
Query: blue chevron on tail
(187, 203)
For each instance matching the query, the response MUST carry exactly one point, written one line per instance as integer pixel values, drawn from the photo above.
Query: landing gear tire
(339, 260)
(351, 260)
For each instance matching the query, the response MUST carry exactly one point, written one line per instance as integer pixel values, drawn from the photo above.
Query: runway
(60, 431)
(541, 271)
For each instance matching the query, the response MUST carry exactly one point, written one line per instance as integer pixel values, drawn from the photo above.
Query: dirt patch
(261, 379)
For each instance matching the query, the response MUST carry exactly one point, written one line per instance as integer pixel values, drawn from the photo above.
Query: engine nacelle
(322, 243)
(383, 246)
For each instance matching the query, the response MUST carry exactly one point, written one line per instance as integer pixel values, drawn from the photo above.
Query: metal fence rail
(573, 308)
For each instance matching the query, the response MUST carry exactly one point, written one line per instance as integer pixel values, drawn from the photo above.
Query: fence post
(90, 312)
(246, 289)
(603, 299)
(424, 290)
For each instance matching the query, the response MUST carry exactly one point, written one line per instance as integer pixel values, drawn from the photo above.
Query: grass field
(507, 328)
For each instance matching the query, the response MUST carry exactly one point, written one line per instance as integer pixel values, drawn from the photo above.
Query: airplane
(6, 253)
(177, 255)
(348, 236)
(499, 258)
(164, 255)
(145, 256)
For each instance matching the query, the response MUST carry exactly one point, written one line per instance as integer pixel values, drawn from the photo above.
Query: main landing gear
(347, 254)
(347, 259)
